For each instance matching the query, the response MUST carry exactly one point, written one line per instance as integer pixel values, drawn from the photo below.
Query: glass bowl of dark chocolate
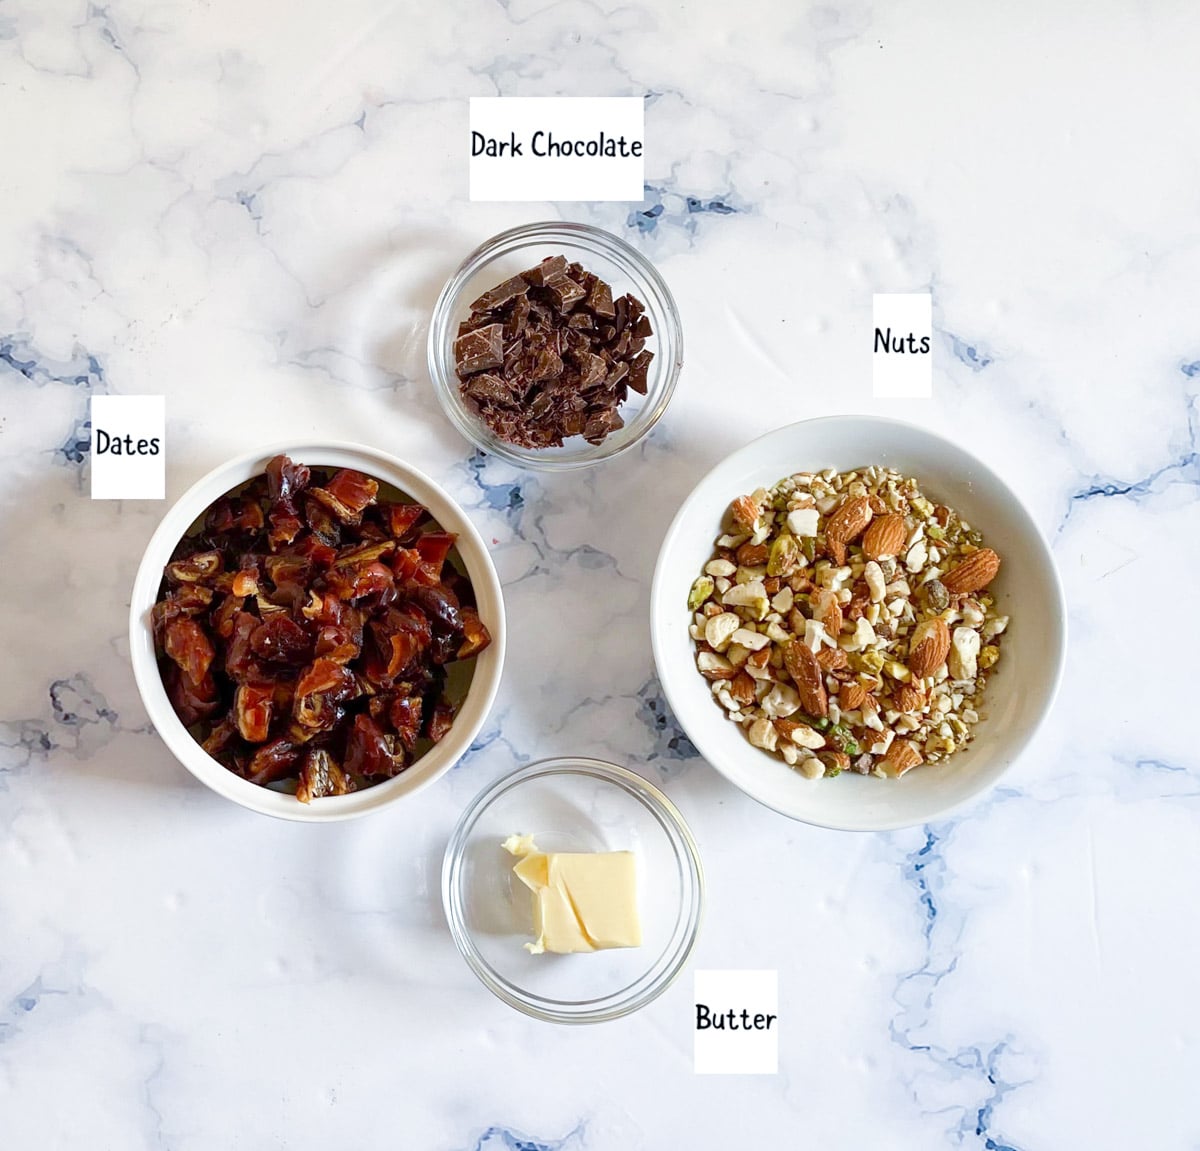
(555, 345)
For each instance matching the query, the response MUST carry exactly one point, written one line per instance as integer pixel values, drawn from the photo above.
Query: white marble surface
(249, 207)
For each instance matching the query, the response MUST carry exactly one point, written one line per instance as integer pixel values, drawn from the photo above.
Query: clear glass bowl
(572, 805)
(610, 258)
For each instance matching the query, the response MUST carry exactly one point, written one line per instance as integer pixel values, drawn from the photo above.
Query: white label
(736, 1020)
(557, 147)
(128, 438)
(903, 338)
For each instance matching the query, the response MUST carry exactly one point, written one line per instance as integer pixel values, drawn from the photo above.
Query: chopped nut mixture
(844, 623)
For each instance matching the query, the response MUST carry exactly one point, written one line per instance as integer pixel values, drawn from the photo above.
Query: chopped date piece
(374, 579)
(319, 554)
(404, 635)
(285, 479)
(338, 643)
(321, 776)
(244, 583)
(272, 762)
(475, 636)
(405, 716)
(220, 737)
(361, 557)
(253, 704)
(320, 689)
(303, 629)
(546, 355)
(320, 519)
(224, 614)
(444, 647)
(188, 645)
(367, 752)
(234, 515)
(281, 639)
(441, 720)
(400, 519)
(240, 664)
(192, 702)
(440, 606)
(198, 568)
(434, 547)
(186, 600)
(353, 491)
(285, 526)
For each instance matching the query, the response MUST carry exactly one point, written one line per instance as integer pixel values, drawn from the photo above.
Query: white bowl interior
(1018, 695)
(484, 683)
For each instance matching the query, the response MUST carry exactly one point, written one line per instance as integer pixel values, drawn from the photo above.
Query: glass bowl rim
(662, 307)
(617, 1004)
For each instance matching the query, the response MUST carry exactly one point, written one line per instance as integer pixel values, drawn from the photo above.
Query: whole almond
(975, 572)
(806, 673)
(928, 647)
(909, 698)
(900, 757)
(845, 526)
(832, 658)
(852, 696)
(885, 537)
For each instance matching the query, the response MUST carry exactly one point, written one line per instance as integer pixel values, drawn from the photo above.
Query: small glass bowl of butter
(552, 816)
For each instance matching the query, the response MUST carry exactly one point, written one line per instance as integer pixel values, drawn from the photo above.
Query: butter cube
(582, 901)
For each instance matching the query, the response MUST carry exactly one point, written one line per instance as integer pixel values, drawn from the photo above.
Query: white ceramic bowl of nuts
(857, 623)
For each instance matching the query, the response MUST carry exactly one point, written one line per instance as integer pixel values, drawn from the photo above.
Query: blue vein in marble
(680, 209)
(970, 354)
(501, 497)
(925, 869)
(13, 1014)
(669, 742)
(506, 1139)
(1183, 468)
(83, 371)
(80, 719)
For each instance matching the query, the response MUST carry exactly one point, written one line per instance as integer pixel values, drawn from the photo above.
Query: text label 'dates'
(128, 457)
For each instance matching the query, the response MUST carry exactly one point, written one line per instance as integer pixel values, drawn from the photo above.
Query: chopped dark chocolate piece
(600, 301)
(518, 317)
(638, 370)
(479, 350)
(565, 292)
(549, 267)
(501, 294)
(486, 387)
(550, 354)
